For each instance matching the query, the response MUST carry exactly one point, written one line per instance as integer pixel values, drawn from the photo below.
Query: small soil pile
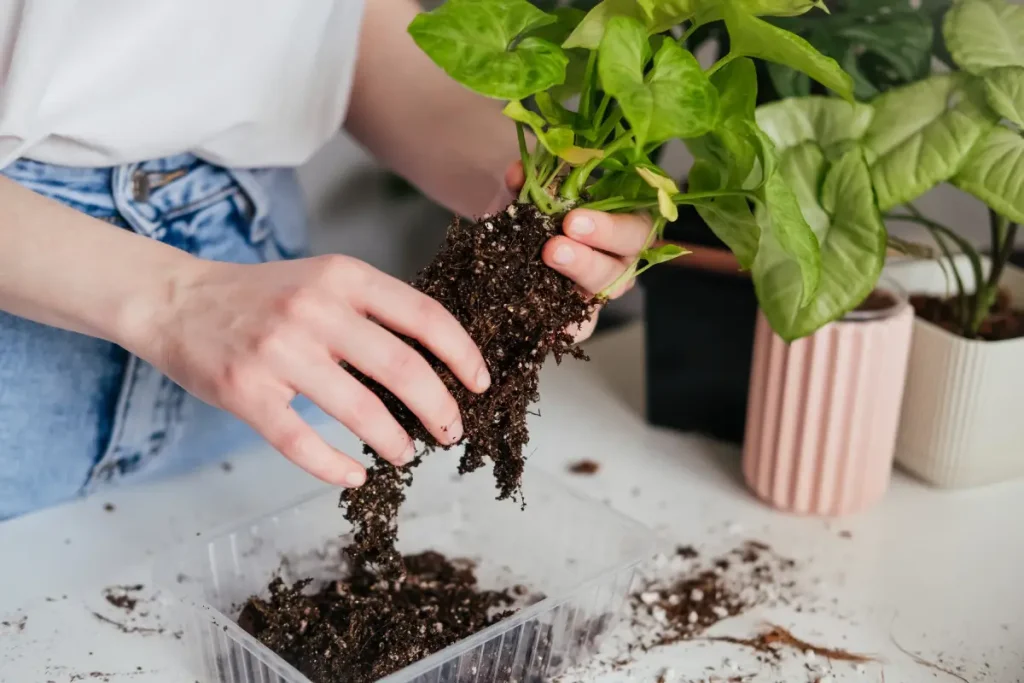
(363, 628)
(1003, 322)
(490, 276)
(585, 467)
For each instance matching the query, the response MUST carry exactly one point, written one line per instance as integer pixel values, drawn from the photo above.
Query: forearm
(63, 268)
(451, 143)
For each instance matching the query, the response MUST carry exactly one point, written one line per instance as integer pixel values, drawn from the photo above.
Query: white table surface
(939, 572)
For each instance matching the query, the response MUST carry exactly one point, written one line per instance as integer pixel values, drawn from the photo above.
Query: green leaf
(666, 252)
(985, 34)
(591, 29)
(826, 121)
(558, 139)
(852, 235)
(675, 100)
(902, 41)
(474, 41)
(730, 218)
(788, 82)
(553, 111)
(803, 167)
(1004, 90)
(994, 173)
(622, 184)
(921, 134)
(753, 37)
(666, 188)
(787, 268)
(736, 83)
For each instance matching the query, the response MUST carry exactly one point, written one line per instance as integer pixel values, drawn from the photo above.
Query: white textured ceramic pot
(961, 424)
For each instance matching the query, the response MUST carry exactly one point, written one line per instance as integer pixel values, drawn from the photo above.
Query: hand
(596, 249)
(249, 338)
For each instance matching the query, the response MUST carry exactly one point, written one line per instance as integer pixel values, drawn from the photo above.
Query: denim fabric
(78, 414)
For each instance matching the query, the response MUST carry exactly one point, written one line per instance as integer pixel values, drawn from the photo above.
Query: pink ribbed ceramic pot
(823, 411)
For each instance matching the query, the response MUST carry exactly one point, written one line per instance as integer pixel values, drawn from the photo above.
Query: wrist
(141, 315)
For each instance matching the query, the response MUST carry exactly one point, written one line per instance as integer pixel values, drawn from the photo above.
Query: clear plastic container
(581, 555)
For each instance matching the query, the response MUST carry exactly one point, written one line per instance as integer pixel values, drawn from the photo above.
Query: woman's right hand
(249, 338)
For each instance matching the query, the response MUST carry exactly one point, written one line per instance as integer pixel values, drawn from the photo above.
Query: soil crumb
(1004, 321)
(121, 596)
(125, 628)
(365, 627)
(490, 276)
(585, 467)
(109, 507)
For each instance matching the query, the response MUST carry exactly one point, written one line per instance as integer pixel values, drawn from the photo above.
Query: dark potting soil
(1003, 322)
(364, 627)
(877, 300)
(395, 610)
(490, 276)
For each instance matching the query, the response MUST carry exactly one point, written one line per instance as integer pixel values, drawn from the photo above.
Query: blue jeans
(78, 414)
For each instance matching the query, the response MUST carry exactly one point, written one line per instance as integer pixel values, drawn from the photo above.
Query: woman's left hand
(595, 249)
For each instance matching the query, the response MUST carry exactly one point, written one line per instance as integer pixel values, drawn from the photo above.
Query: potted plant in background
(700, 316)
(957, 425)
(960, 425)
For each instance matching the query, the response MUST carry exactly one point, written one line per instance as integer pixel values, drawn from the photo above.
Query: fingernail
(408, 454)
(483, 379)
(454, 431)
(564, 255)
(355, 478)
(582, 225)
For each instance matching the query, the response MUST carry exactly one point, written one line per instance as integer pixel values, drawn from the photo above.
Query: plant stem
(1004, 234)
(586, 92)
(720, 63)
(631, 271)
(524, 157)
(623, 204)
(577, 178)
(689, 32)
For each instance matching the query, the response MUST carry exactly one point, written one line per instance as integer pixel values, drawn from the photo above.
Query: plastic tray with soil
(546, 583)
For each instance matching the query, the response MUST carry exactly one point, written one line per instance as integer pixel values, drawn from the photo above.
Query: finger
(388, 360)
(619, 234)
(282, 427)
(401, 308)
(344, 398)
(592, 270)
(514, 176)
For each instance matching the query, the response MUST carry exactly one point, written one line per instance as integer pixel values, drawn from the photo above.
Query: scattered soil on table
(490, 276)
(226, 466)
(1004, 321)
(126, 628)
(109, 507)
(585, 467)
(846, 534)
(365, 627)
(121, 596)
(15, 625)
(775, 639)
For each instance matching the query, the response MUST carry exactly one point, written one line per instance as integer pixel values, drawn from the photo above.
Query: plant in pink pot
(823, 408)
(829, 413)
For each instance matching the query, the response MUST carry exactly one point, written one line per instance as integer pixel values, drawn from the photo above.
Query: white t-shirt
(241, 83)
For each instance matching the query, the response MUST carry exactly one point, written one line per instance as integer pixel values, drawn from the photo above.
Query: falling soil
(490, 276)
(584, 467)
(392, 610)
(1003, 322)
(364, 627)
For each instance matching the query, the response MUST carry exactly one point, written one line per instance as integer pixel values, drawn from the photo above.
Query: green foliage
(848, 164)
(789, 210)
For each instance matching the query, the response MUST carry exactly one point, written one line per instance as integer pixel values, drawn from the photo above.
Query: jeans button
(140, 186)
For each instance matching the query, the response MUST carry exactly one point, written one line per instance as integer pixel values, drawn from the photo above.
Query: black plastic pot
(699, 341)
